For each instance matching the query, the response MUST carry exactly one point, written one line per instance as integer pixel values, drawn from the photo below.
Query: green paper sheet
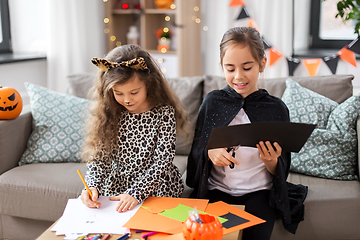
(181, 213)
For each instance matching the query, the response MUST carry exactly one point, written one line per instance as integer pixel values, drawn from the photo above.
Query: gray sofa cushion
(331, 209)
(80, 84)
(24, 194)
(189, 91)
(338, 87)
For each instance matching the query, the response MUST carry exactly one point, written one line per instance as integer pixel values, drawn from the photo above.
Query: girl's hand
(126, 202)
(220, 157)
(85, 198)
(269, 155)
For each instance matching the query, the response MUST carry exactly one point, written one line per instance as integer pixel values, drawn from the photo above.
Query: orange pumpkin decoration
(11, 103)
(210, 229)
(163, 4)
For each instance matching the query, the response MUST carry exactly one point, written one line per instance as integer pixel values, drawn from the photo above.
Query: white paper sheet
(77, 218)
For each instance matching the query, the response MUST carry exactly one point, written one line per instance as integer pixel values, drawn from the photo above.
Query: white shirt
(249, 176)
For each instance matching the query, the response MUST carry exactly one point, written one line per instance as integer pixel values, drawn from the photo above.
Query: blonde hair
(101, 128)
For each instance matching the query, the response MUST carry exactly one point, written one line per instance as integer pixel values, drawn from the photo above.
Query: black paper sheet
(290, 136)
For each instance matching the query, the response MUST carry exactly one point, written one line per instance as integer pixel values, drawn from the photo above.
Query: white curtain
(75, 31)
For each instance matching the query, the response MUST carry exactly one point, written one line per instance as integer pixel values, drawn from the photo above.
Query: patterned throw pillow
(306, 106)
(331, 150)
(58, 121)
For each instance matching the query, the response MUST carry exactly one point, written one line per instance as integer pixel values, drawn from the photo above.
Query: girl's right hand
(85, 198)
(220, 157)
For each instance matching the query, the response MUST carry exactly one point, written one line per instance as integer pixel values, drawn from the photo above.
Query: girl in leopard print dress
(131, 131)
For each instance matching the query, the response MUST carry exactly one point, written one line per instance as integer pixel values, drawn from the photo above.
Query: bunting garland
(293, 63)
(332, 62)
(347, 53)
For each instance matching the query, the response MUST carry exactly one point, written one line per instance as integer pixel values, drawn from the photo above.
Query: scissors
(232, 165)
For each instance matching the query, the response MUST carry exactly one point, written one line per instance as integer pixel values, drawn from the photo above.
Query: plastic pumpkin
(11, 103)
(210, 229)
(163, 4)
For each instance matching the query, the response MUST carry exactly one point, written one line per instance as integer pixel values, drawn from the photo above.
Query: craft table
(49, 235)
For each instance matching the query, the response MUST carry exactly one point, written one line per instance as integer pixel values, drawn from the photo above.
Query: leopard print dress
(142, 165)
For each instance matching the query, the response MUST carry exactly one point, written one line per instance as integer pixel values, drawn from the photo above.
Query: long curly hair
(101, 128)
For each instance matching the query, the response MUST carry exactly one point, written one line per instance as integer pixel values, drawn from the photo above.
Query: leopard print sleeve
(96, 171)
(162, 178)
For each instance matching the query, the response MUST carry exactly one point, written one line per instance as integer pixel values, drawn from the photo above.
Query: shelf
(184, 54)
(126, 11)
(159, 11)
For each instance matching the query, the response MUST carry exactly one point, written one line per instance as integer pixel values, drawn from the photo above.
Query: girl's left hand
(267, 152)
(126, 202)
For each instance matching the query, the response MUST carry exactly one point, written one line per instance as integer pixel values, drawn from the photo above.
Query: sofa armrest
(14, 136)
(358, 135)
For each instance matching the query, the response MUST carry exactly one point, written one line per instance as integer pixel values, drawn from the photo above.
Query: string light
(160, 60)
(105, 1)
(166, 29)
(118, 43)
(106, 20)
(106, 30)
(112, 38)
(196, 8)
(163, 70)
(167, 18)
(172, 6)
(197, 20)
(205, 28)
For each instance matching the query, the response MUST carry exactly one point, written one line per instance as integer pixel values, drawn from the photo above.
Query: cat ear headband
(105, 65)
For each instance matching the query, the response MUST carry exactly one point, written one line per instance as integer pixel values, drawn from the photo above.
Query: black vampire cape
(217, 110)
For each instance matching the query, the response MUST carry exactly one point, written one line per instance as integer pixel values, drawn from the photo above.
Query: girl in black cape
(258, 179)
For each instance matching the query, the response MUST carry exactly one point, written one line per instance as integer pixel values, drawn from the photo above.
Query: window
(326, 31)
(5, 38)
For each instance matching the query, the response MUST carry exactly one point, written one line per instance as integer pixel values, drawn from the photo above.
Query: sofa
(33, 196)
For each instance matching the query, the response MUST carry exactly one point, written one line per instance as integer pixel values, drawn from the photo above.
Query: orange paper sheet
(220, 208)
(145, 220)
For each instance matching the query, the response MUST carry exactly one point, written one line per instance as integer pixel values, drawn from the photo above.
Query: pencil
(86, 186)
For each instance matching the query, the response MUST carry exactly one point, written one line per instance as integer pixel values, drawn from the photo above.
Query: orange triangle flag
(274, 56)
(312, 66)
(252, 24)
(235, 3)
(348, 56)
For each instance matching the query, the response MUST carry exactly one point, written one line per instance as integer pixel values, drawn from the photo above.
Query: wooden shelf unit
(148, 19)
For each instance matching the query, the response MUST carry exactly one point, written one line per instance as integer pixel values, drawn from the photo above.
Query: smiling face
(132, 95)
(241, 70)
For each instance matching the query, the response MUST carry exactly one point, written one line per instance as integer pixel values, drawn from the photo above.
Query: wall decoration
(332, 62)
(266, 43)
(243, 14)
(235, 3)
(293, 63)
(355, 46)
(348, 56)
(312, 66)
(274, 56)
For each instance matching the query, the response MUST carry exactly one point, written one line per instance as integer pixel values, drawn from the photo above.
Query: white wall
(28, 33)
